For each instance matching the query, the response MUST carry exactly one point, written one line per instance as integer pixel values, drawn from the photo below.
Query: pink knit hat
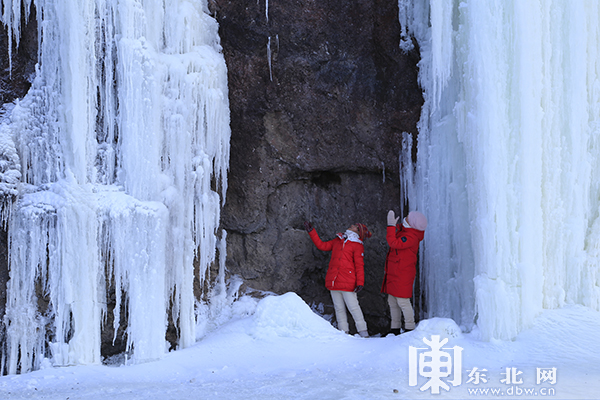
(417, 220)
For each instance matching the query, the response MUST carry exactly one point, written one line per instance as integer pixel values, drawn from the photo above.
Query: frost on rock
(507, 165)
(113, 169)
(10, 172)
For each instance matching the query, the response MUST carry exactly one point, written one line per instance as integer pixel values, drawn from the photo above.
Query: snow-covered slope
(279, 349)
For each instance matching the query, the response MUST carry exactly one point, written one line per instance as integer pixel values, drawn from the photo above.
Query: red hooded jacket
(401, 260)
(346, 267)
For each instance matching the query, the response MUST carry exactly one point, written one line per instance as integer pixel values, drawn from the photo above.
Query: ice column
(508, 167)
(117, 158)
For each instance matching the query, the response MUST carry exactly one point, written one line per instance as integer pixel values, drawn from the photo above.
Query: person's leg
(340, 310)
(396, 314)
(409, 314)
(351, 301)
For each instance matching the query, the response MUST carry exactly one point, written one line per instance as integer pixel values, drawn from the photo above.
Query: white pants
(399, 306)
(341, 300)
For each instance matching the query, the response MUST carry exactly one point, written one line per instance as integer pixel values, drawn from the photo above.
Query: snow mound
(244, 306)
(445, 327)
(288, 315)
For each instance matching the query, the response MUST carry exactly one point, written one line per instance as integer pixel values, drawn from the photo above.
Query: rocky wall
(320, 94)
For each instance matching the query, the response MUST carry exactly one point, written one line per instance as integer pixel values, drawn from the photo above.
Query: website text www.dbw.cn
(512, 391)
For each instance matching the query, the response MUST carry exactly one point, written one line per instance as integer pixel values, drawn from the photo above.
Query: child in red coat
(400, 266)
(345, 275)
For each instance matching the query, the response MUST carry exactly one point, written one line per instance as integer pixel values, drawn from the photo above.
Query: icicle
(441, 45)
(269, 58)
(10, 173)
(119, 141)
(48, 225)
(505, 167)
(414, 21)
(138, 268)
(11, 18)
(406, 173)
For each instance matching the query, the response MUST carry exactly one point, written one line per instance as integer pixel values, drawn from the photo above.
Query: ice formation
(117, 160)
(508, 164)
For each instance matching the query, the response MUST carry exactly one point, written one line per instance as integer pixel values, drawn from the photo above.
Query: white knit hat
(417, 220)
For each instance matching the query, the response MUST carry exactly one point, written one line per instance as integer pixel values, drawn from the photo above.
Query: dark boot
(395, 331)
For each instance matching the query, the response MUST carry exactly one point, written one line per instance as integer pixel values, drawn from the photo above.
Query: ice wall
(117, 160)
(508, 168)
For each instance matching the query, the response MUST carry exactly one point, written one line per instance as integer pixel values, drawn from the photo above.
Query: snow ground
(277, 348)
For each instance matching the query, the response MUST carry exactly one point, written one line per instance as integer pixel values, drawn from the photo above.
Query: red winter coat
(401, 260)
(346, 267)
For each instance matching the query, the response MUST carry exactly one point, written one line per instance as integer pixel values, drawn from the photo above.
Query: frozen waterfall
(117, 160)
(508, 168)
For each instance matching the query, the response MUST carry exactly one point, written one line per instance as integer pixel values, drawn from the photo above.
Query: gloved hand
(308, 226)
(392, 220)
(358, 288)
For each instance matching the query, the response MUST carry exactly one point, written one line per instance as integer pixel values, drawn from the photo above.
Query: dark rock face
(320, 94)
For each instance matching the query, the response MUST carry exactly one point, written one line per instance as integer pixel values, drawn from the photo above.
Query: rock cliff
(320, 94)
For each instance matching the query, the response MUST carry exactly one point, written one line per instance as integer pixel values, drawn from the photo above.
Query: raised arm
(321, 245)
